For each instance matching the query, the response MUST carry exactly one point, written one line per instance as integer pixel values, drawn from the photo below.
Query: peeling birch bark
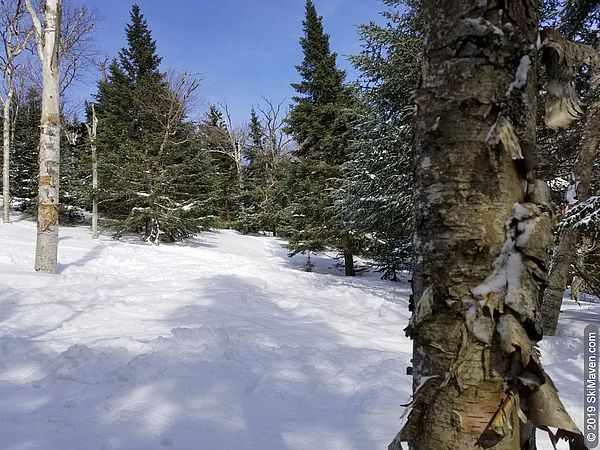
(47, 37)
(569, 56)
(482, 233)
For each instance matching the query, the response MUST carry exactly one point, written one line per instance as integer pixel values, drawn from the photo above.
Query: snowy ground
(220, 343)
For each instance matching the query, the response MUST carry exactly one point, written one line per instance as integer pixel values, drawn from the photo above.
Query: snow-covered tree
(320, 121)
(376, 194)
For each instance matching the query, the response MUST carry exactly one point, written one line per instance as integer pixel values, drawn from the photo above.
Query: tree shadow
(91, 255)
(237, 368)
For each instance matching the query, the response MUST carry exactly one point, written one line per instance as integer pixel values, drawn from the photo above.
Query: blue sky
(242, 49)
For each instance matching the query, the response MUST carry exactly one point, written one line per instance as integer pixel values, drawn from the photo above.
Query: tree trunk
(563, 254)
(46, 253)
(95, 193)
(482, 233)
(558, 280)
(349, 263)
(6, 124)
(92, 132)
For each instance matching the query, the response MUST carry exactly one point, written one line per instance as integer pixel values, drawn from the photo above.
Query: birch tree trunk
(92, 132)
(6, 127)
(482, 235)
(560, 51)
(14, 40)
(47, 39)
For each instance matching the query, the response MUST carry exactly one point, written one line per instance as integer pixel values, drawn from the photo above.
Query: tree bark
(92, 133)
(6, 124)
(14, 41)
(482, 233)
(349, 263)
(581, 179)
(47, 38)
(558, 280)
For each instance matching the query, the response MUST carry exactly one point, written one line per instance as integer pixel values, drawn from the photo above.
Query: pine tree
(263, 197)
(214, 138)
(320, 123)
(75, 172)
(154, 177)
(376, 198)
(139, 60)
(252, 188)
(25, 146)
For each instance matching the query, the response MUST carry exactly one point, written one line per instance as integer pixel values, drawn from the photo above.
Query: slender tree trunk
(558, 280)
(92, 133)
(14, 41)
(482, 233)
(348, 257)
(349, 263)
(6, 123)
(564, 251)
(47, 38)
(95, 191)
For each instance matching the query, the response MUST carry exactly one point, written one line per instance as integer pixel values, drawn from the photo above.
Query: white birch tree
(15, 34)
(47, 38)
(92, 134)
(483, 232)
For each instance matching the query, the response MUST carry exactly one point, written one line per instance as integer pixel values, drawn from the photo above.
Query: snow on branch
(584, 215)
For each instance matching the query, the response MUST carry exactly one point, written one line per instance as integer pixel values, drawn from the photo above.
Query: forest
(457, 175)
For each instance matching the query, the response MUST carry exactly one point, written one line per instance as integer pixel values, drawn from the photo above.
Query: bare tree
(15, 34)
(277, 141)
(167, 107)
(47, 38)
(77, 50)
(483, 231)
(236, 136)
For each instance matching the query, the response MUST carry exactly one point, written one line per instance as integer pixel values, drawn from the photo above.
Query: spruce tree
(24, 151)
(376, 198)
(263, 196)
(154, 178)
(319, 122)
(214, 139)
(252, 198)
(139, 60)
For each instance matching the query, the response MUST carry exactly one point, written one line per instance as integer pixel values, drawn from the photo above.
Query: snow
(571, 195)
(480, 27)
(216, 343)
(521, 75)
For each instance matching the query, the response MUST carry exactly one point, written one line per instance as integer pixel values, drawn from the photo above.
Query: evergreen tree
(139, 60)
(75, 172)
(214, 138)
(25, 145)
(263, 197)
(320, 123)
(154, 178)
(376, 198)
(251, 190)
